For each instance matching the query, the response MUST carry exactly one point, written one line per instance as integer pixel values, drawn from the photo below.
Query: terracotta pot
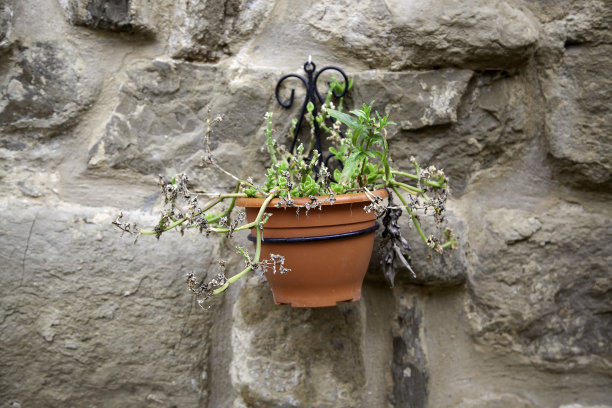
(327, 251)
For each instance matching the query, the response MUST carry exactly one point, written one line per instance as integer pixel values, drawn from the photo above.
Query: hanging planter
(313, 223)
(326, 251)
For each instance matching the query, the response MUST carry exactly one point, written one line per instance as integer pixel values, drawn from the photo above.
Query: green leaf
(360, 114)
(371, 153)
(337, 175)
(348, 120)
(356, 134)
(337, 188)
(350, 166)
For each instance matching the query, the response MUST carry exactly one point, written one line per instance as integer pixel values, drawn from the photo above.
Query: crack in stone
(25, 252)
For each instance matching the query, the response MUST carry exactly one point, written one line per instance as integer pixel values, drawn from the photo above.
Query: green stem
(448, 243)
(233, 279)
(169, 227)
(401, 173)
(436, 184)
(229, 209)
(257, 248)
(412, 215)
(208, 206)
(388, 171)
(270, 145)
(408, 187)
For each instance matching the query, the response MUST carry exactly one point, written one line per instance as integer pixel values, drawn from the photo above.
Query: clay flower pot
(327, 251)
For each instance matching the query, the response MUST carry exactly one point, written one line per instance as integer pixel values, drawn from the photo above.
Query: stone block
(578, 121)
(491, 128)
(583, 406)
(538, 285)
(414, 99)
(90, 319)
(159, 122)
(398, 34)
(497, 401)
(293, 357)
(210, 30)
(409, 366)
(432, 269)
(46, 86)
(6, 23)
(114, 15)
(589, 22)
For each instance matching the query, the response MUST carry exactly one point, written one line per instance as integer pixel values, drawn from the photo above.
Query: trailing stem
(257, 224)
(364, 155)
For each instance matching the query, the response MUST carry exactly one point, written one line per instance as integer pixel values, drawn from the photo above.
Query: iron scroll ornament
(312, 95)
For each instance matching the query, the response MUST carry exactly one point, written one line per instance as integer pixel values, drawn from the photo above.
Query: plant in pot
(313, 226)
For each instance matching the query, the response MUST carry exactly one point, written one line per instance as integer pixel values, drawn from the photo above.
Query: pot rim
(349, 198)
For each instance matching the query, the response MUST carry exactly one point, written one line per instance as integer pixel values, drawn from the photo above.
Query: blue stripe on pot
(318, 237)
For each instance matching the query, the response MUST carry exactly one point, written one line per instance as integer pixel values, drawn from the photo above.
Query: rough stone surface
(402, 34)
(540, 284)
(583, 406)
(418, 99)
(589, 22)
(115, 15)
(45, 88)
(510, 97)
(84, 309)
(496, 401)
(209, 30)
(6, 19)
(160, 120)
(409, 368)
(491, 129)
(286, 357)
(431, 269)
(578, 123)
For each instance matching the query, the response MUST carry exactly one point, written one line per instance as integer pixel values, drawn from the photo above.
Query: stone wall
(511, 97)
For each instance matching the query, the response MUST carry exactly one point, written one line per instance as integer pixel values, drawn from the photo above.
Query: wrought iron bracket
(312, 95)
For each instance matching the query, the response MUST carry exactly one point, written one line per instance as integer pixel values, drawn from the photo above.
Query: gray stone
(578, 121)
(46, 87)
(589, 22)
(497, 401)
(292, 357)
(492, 127)
(415, 99)
(25, 169)
(538, 285)
(6, 22)
(160, 120)
(432, 269)
(409, 367)
(114, 15)
(583, 406)
(551, 45)
(400, 35)
(209, 30)
(569, 23)
(510, 97)
(437, 269)
(91, 319)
